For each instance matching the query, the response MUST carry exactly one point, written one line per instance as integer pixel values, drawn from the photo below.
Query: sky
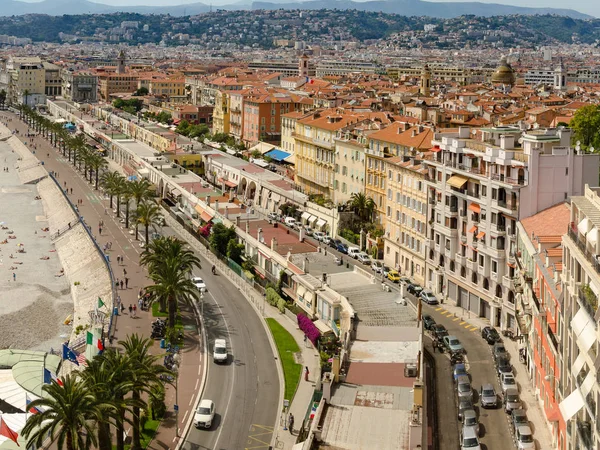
(591, 7)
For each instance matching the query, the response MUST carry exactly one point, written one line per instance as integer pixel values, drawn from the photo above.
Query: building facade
(80, 86)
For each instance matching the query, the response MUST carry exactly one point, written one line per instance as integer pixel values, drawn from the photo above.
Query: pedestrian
(99, 230)
(306, 372)
(119, 259)
(105, 212)
(291, 423)
(434, 346)
(71, 190)
(14, 276)
(126, 283)
(130, 308)
(121, 283)
(122, 307)
(140, 302)
(116, 283)
(124, 272)
(134, 310)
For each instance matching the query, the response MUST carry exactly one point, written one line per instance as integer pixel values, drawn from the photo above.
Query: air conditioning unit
(410, 370)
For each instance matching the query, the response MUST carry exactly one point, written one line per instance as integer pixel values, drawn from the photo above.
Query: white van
(220, 351)
(353, 252)
(290, 221)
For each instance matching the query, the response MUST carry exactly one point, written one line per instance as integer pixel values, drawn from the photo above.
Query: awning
(553, 415)
(311, 220)
(481, 234)
(473, 229)
(584, 226)
(514, 266)
(176, 193)
(578, 364)
(301, 292)
(588, 383)
(305, 215)
(571, 405)
(464, 244)
(592, 236)
(475, 208)
(580, 321)
(206, 216)
(227, 183)
(435, 149)
(587, 337)
(457, 181)
(320, 223)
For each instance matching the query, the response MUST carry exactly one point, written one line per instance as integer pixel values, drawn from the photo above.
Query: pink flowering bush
(309, 328)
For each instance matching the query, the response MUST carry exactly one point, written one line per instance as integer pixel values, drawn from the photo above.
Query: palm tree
(140, 190)
(97, 163)
(144, 376)
(26, 94)
(76, 145)
(121, 189)
(111, 182)
(127, 195)
(146, 214)
(68, 414)
(362, 205)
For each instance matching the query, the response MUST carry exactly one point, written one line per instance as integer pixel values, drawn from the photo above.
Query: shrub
(309, 328)
(272, 296)
(281, 305)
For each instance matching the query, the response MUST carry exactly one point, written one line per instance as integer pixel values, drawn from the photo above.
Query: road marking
(191, 400)
(438, 308)
(196, 387)
(455, 319)
(462, 322)
(185, 415)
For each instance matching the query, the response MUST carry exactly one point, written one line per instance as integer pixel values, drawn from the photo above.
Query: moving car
(199, 283)
(318, 235)
(487, 396)
(490, 335)
(453, 344)
(428, 297)
(470, 420)
(499, 351)
(518, 417)
(524, 437)
(469, 440)
(511, 400)
(459, 370)
(204, 414)
(507, 381)
(463, 388)
(377, 266)
(414, 289)
(353, 252)
(289, 221)
(220, 351)
(428, 321)
(393, 275)
(363, 258)
(386, 270)
(274, 216)
(439, 331)
(405, 280)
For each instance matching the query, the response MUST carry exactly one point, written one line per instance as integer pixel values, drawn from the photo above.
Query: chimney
(247, 227)
(406, 126)
(226, 212)
(421, 128)
(238, 220)
(413, 133)
(259, 235)
(305, 265)
(273, 245)
(208, 200)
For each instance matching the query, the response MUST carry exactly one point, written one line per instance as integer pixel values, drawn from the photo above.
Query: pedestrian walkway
(95, 208)
(539, 425)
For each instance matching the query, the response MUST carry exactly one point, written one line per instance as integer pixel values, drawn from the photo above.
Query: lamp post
(202, 303)
(175, 370)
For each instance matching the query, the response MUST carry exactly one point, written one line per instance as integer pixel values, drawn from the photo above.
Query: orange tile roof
(548, 225)
(394, 134)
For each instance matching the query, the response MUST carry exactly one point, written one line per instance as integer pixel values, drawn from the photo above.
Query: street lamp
(175, 370)
(202, 303)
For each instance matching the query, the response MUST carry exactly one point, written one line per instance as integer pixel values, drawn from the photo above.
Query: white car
(220, 351)
(308, 231)
(524, 437)
(199, 283)
(363, 258)
(353, 252)
(377, 266)
(507, 381)
(469, 439)
(326, 239)
(204, 414)
(318, 235)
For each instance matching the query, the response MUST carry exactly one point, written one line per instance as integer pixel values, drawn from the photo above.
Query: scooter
(214, 270)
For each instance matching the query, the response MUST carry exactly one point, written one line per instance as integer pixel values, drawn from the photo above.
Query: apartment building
(578, 333)
(481, 184)
(349, 176)
(52, 80)
(405, 221)
(111, 82)
(221, 115)
(262, 116)
(535, 308)
(79, 86)
(331, 67)
(27, 80)
(461, 75)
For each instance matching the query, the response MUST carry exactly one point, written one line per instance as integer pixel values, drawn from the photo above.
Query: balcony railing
(520, 181)
(553, 339)
(581, 244)
(507, 205)
(588, 301)
(584, 431)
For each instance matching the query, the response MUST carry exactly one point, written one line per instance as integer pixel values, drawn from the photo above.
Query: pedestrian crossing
(462, 323)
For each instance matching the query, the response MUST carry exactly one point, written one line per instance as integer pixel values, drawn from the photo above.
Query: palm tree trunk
(172, 311)
(147, 226)
(136, 231)
(121, 430)
(104, 440)
(111, 201)
(118, 206)
(97, 179)
(136, 443)
(127, 214)
(70, 441)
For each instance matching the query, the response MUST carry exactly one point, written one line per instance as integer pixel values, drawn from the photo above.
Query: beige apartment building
(221, 114)
(27, 80)
(350, 166)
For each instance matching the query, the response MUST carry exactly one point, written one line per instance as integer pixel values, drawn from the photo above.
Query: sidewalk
(539, 425)
(96, 208)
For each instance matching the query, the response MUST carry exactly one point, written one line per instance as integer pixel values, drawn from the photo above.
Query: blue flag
(69, 355)
(49, 377)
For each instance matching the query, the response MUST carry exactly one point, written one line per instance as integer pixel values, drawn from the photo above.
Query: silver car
(511, 400)
(470, 420)
(463, 388)
(507, 381)
(469, 440)
(488, 396)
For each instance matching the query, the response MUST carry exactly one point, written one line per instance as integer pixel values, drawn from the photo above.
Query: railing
(583, 248)
(586, 303)
(507, 205)
(553, 339)
(584, 430)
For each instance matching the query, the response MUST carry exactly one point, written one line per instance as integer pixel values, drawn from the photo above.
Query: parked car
(393, 275)
(333, 243)
(488, 396)
(463, 388)
(377, 266)
(363, 258)
(459, 370)
(326, 239)
(318, 235)
(524, 437)
(428, 321)
(439, 331)
(199, 283)
(507, 381)
(428, 297)
(405, 280)
(204, 414)
(499, 351)
(503, 366)
(469, 440)
(464, 405)
(273, 216)
(490, 335)
(511, 400)
(353, 252)
(342, 248)
(289, 221)
(470, 420)
(453, 344)
(414, 289)
(386, 270)
(518, 417)
(220, 351)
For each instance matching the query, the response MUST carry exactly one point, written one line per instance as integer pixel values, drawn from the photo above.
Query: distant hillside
(403, 7)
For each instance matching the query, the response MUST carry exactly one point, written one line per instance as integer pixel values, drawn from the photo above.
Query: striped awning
(457, 181)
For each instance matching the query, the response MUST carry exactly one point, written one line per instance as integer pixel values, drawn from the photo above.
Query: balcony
(484, 271)
(584, 432)
(448, 253)
(582, 245)
(463, 238)
(508, 282)
(507, 205)
(498, 229)
(587, 300)
(553, 339)
(471, 265)
(508, 180)
(451, 210)
(460, 259)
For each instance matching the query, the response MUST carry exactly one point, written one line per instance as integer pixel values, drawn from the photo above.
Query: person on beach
(121, 283)
(130, 308)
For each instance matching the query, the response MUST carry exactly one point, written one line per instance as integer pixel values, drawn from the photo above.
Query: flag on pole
(49, 377)
(81, 359)
(8, 433)
(31, 410)
(100, 303)
(91, 340)
(69, 355)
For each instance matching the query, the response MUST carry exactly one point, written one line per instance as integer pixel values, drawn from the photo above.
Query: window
(495, 266)
(484, 191)
(494, 194)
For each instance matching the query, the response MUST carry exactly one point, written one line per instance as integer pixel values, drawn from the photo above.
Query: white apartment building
(349, 173)
(580, 335)
(481, 183)
(325, 68)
